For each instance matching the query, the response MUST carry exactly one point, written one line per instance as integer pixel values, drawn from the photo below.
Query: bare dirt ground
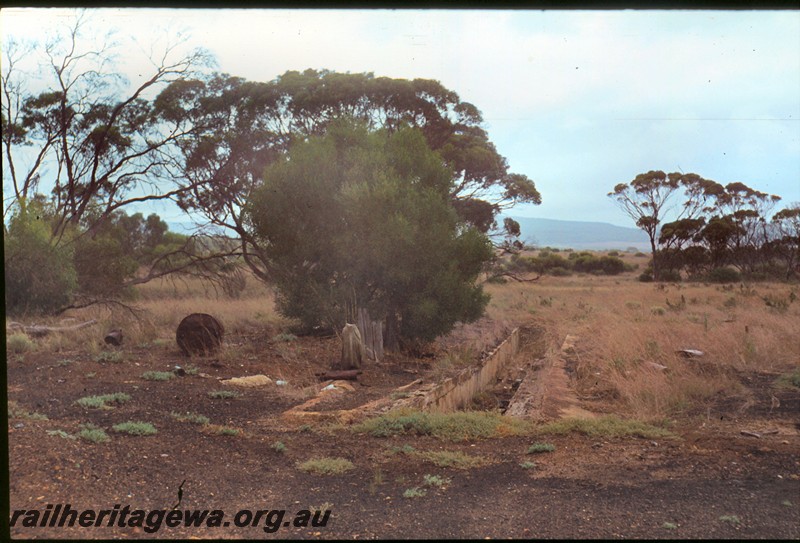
(711, 480)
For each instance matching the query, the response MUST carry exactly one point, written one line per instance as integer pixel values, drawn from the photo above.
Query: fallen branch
(108, 303)
(37, 330)
(341, 375)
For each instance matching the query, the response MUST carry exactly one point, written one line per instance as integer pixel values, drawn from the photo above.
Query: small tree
(644, 199)
(357, 219)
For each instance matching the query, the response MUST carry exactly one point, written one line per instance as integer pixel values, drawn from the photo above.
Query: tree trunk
(391, 337)
(656, 270)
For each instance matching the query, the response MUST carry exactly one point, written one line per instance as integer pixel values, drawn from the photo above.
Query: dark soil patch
(589, 487)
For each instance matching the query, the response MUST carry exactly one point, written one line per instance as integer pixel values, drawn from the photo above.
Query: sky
(578, 101)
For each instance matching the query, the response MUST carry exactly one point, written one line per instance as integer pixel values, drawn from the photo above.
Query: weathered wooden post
(372, 334)
(353, 352)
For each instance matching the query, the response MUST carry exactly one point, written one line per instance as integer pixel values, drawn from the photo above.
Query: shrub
(672, 276)
(588, 263)
(724, 275)
(19, 343)
(646, 277)
(410, 235)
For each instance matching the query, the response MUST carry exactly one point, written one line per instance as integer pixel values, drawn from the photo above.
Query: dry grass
(157, 308)
(621, 335)
(621, 338)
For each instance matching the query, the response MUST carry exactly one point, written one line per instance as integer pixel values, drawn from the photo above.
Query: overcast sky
(577, 100)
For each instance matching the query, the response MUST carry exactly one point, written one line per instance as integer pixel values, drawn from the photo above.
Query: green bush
(417, 264)
(39, 274)
(724, 275)
(672, 276)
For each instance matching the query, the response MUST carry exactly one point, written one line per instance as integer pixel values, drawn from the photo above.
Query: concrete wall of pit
(458, 391)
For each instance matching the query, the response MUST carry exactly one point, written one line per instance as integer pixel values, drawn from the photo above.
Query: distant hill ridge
(580, 235)
(549, 233)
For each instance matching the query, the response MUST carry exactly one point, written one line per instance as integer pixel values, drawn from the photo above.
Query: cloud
(578, 101)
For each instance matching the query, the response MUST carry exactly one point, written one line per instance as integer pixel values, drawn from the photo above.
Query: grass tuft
(158, 375)
(789, 380)
(435, 480)
(90, 432)
(452, 459)
(101, 402)
(61, 433)
(278, 447)
(537, 448)
(610, 426)
(222, 394)
(415, 492)
(19, 343)
(189, 417)
(135, 428)
(112, 357)
(731, 519)
(326, 466)
(458, 426)
(17, 412)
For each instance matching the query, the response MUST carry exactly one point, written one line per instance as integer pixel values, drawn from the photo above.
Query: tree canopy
(240, 127)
